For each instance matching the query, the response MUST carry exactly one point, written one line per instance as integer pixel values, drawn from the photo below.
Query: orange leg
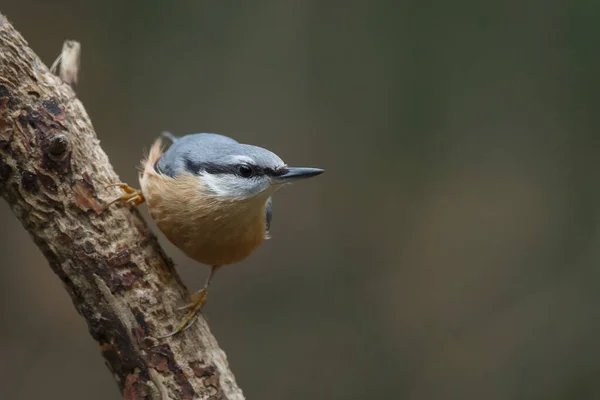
(131, 195)
(194, 307)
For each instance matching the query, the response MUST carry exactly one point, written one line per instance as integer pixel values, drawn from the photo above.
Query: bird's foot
(194, 307)
(131, 195)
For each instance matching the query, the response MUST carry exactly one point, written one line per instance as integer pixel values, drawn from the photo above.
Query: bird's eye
(245, 171)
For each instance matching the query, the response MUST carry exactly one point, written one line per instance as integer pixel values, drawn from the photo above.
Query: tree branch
(53, 174)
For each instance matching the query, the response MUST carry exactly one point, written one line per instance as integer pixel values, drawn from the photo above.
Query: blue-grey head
(229, 170)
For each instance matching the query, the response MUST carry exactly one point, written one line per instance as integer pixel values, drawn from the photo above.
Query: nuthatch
(211, 197)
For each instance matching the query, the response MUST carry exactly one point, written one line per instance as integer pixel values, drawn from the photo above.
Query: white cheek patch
(232, 187)
(216, 184)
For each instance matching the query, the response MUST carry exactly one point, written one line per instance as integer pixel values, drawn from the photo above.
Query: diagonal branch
(53, 174)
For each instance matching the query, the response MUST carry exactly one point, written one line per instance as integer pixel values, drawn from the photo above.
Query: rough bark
(53, 174)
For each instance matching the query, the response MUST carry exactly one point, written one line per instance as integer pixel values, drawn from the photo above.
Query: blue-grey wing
(269, 215)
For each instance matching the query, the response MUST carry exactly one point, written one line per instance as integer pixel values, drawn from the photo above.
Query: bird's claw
(196, 299)
(186, 324)
(131, 195)
(195, 307)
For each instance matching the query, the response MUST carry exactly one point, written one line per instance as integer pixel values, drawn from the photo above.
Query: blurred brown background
(451, 250)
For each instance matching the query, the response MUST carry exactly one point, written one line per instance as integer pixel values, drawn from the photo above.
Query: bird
(211, 196)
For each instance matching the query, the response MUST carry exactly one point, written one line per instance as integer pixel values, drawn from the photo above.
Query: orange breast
(210, 231)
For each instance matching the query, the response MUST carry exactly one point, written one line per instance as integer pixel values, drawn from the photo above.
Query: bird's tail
(170, 136)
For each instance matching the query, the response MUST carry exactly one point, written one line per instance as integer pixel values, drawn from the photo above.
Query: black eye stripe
(212, 168)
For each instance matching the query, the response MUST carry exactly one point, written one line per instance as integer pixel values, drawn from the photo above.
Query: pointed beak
(296, 173)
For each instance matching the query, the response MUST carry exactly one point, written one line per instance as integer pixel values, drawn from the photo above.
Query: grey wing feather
(269, 216)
